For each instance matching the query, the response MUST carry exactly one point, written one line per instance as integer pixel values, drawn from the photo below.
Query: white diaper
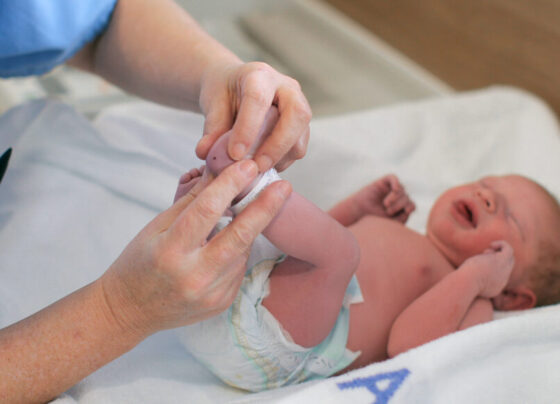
(247, 347)
(267, 178)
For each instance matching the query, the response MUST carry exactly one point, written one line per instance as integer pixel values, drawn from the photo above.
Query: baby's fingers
(396, 205)
(403, 214)
(501, 245)
(393, 196)
(394, 183)
(397, 201)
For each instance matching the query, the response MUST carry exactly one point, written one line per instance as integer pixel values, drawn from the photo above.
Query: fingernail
(284, 188)
(238, 151)
(248, 167)
(264, 163)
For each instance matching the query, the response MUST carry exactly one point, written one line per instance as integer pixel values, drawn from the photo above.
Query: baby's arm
(385, 197)
(458, 301)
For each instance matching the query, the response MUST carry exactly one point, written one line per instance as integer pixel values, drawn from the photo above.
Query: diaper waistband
(267, 178)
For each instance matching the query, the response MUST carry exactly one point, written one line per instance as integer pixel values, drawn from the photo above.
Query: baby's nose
(487, 199)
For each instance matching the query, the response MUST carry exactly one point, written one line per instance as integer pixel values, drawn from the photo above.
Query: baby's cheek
(494, 234)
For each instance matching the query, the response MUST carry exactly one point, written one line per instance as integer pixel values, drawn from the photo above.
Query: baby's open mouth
(465, 213)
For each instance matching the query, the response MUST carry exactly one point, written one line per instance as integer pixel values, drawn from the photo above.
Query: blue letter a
(381, 396)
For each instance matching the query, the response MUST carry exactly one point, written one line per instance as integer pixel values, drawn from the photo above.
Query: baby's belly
(397, 265)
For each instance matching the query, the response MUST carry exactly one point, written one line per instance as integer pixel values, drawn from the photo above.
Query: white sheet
(75, 194)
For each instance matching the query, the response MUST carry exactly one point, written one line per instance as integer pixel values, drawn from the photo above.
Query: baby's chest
(398, 258)
(411, 270)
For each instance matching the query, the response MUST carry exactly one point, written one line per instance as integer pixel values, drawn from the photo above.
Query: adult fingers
(293, 124)
(219, 119)
(164, 220)
(196, 221)
(257, 88)
(296, 152)
(237, 238)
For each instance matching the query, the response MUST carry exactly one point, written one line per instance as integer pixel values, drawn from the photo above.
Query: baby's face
(466, 219)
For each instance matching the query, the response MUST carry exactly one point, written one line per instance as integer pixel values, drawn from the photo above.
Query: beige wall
(471, 44)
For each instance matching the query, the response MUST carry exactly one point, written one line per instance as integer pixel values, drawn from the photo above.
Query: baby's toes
(191, 174)
(185, 178)
(187, 182)
(180, 192)
(184, 188)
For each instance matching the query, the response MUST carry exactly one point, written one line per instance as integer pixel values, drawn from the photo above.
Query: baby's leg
(307, 289)
(218, 157)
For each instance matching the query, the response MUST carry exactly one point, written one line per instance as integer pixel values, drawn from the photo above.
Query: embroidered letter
(374, 384)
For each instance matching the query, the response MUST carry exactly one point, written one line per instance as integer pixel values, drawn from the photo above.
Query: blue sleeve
(37, 35)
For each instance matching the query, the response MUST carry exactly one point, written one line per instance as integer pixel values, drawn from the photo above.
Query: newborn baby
(329, 292)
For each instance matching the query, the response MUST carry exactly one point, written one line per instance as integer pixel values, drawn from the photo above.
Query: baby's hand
(385, 197)
(492, 268)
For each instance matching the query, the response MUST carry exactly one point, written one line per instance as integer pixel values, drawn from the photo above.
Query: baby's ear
(515, 298)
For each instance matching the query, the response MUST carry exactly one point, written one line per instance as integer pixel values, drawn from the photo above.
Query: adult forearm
(436, 313)
(154, 49)
(47, 353)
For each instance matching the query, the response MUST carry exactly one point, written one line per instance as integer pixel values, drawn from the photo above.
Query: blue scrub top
(37, 35)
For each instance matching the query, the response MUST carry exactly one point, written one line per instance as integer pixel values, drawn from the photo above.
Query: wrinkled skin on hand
(238, 97)
(218, 158)
(169, 275)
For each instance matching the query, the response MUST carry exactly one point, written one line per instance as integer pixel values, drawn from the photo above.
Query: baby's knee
(350, 254)
(344, 260)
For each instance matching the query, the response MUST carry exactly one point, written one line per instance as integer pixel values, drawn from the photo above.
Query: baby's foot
(187, 182)
(218, 158)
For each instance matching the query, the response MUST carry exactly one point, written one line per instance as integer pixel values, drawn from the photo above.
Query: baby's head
(466, 219)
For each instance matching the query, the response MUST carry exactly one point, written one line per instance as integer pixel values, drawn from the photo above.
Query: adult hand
(239, 96)
(169, 275)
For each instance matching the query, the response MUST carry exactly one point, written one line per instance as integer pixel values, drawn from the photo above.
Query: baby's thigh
(305, 299)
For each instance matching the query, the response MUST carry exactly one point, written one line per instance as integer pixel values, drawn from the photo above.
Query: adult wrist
(213, 75)
(121, 314)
